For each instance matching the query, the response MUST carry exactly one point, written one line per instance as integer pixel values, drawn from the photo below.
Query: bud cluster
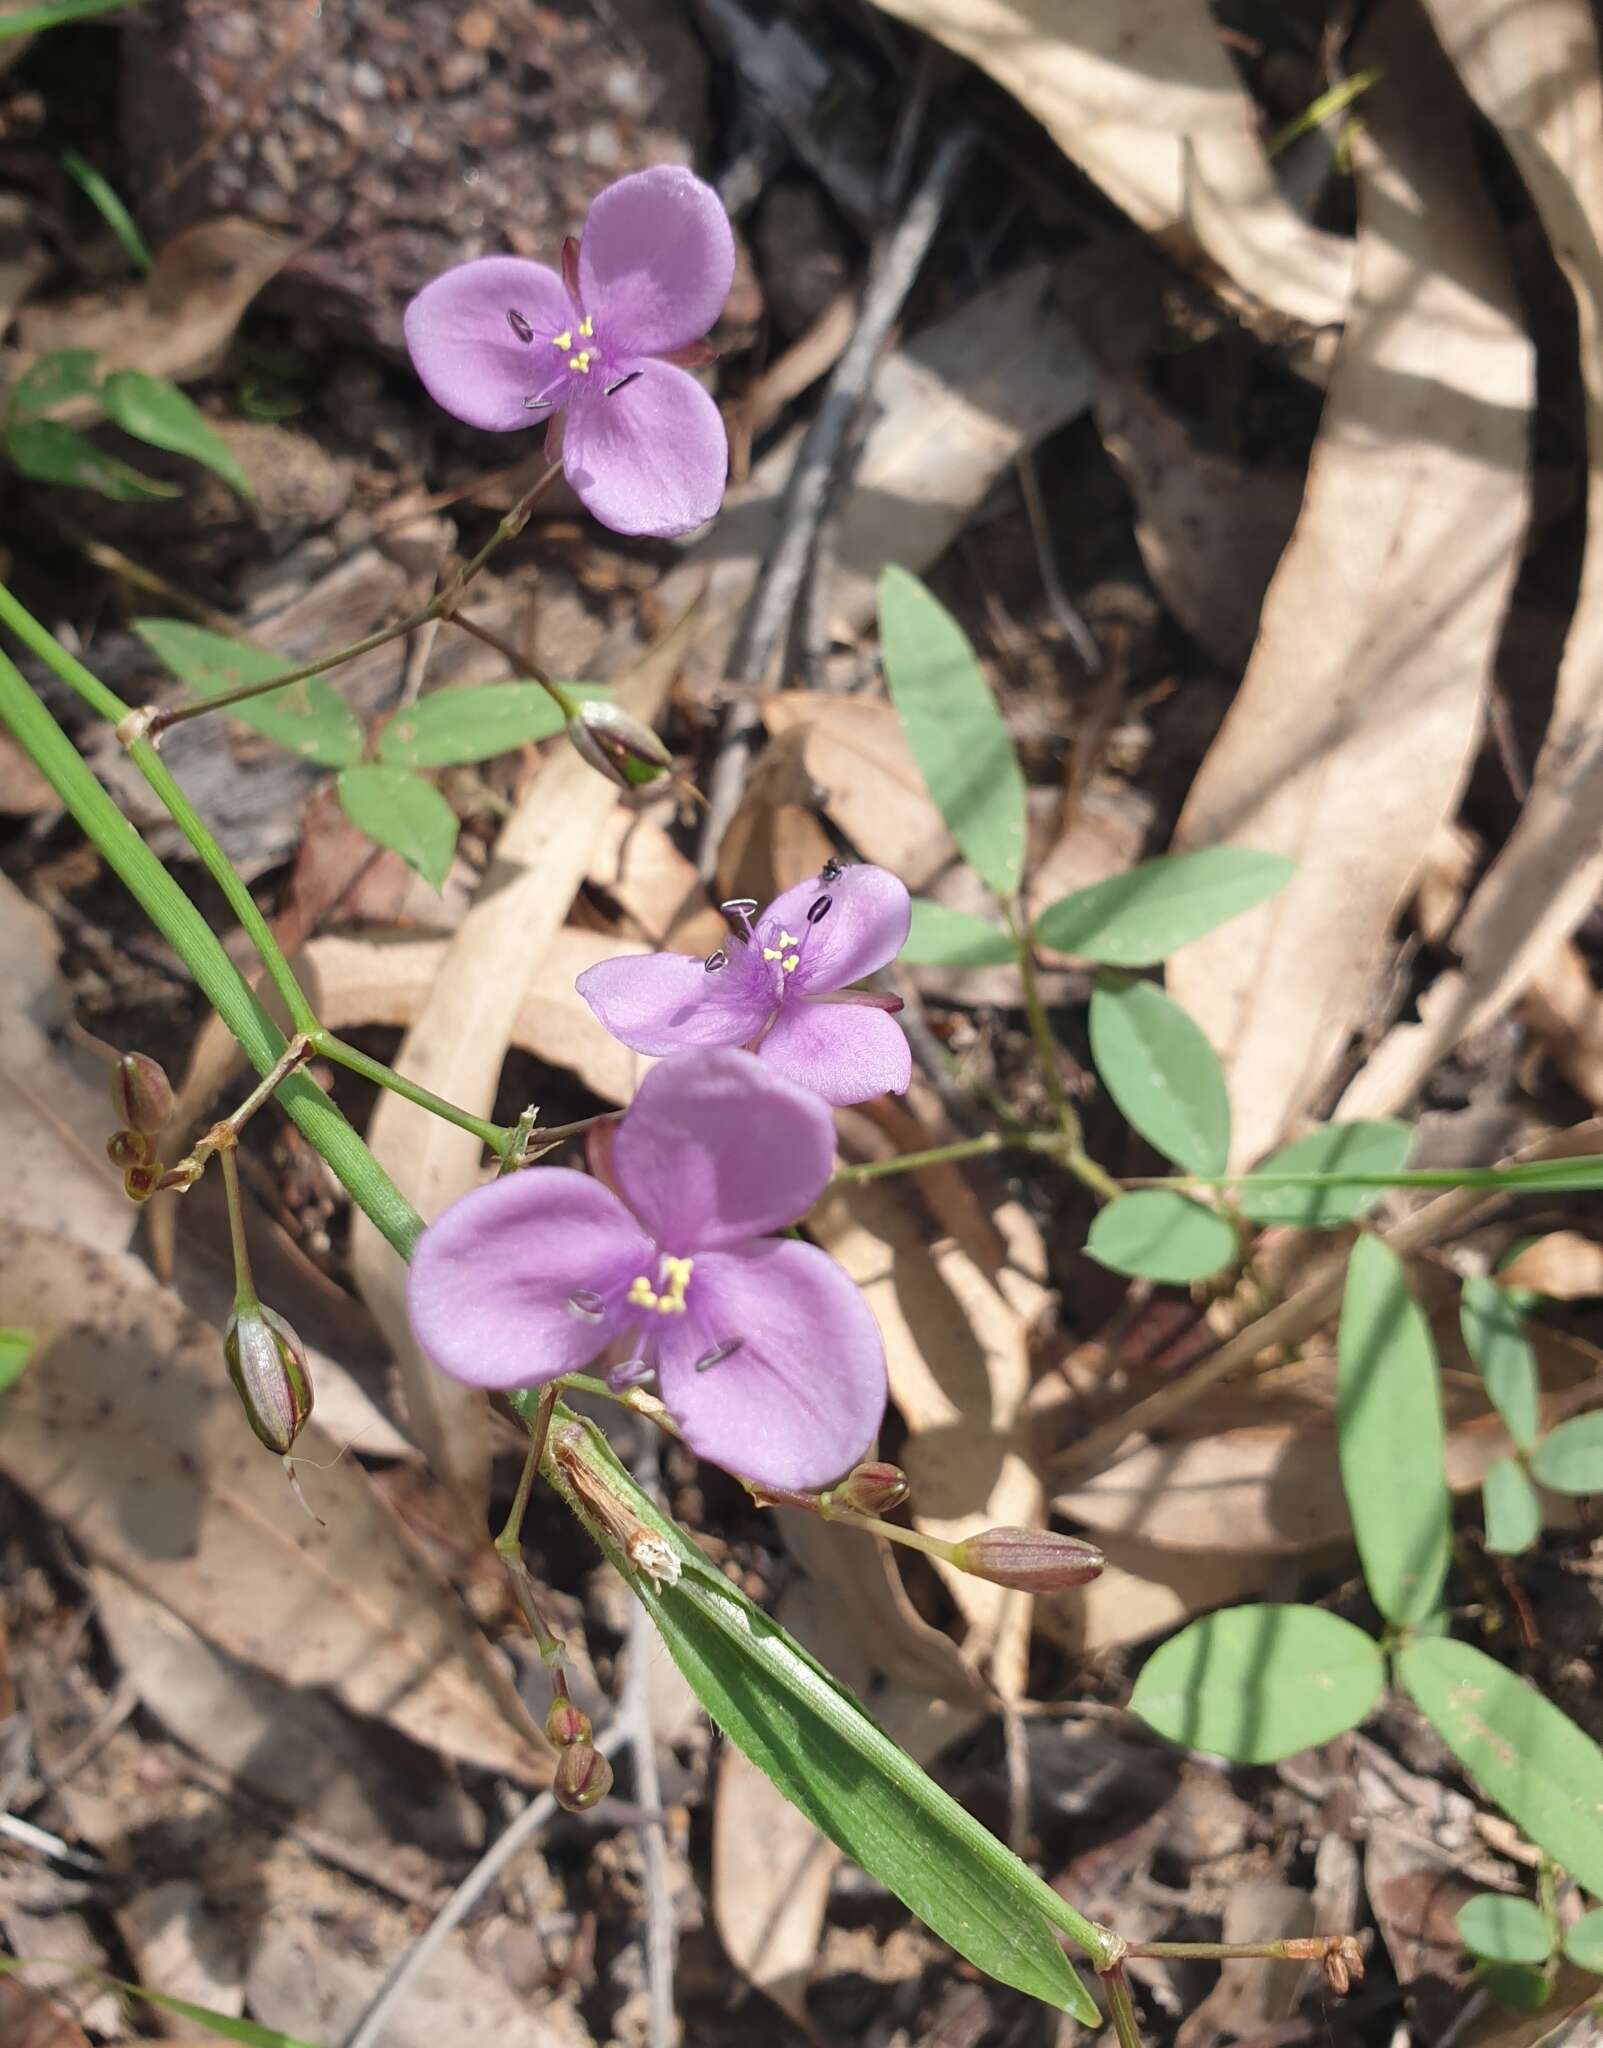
(142, 1098)
(584, 1777)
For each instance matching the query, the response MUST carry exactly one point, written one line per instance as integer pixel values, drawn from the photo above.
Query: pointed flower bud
(267, 1364)
(141, 1093)
(1032, 1560)
(583, 1779)
(567, 1726)
(128, 1148)
(871, 1489)
(620, 747)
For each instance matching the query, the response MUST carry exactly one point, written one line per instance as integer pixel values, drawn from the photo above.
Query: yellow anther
(790, 962)
(564, 339)
(580, 362)
(587, 327)
(641, 1292)
(677, 1274)
(789, 939)
(771, 953)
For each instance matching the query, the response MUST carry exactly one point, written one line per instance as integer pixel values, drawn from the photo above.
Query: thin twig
(509, 1844)
(896, 263)
(1077, 632)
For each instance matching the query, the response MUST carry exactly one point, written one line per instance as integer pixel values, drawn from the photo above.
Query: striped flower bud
(583, 1779)
(267, 1365)
(566, 1725)
(1031, 1560)
(618, 746)
(871, 1489)
(141, 1093)
(128, 1148)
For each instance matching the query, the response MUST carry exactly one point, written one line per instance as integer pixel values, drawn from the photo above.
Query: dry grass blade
(1143, 97)
(1534, 70)
(126, 1430)
(1357, 719)
(456, 1048)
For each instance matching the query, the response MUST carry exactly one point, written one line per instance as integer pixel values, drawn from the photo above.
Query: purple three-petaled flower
(779, 987)
(766, 1355)
(504, 343)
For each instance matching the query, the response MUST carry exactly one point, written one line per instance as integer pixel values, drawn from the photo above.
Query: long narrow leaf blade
(226, 2028)
(814, 1740)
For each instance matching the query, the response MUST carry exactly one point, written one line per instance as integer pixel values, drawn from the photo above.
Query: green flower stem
(187, 932)
(245, 1301)
(942, 1155)
(441, 606)
(509, 1544)
(496, 1136)
(1121, 2009)
(1072, 1150)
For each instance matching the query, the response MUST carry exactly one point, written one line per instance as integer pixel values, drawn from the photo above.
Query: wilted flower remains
(597, 350)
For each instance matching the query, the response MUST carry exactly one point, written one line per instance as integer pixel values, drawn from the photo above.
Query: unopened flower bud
(566, 1725)
(620, 747)
(1032, 1560)
(267, 1364)
(128, 1148)
(141, 1093)
(583, 1779)
(139, 1183)
(871, 1489)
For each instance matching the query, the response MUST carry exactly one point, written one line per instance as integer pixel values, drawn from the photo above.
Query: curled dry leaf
(1358, 717)
(1144, 99)
(125, 1428)
(1549, 111)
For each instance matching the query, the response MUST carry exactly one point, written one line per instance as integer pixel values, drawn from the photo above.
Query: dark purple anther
(714, 962)
(520, 327)
(720, 1352)
(622, 384)
(583, 1302)
(819, 909)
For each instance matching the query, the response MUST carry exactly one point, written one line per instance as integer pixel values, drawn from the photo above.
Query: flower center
(581, 358)
(674, 1275)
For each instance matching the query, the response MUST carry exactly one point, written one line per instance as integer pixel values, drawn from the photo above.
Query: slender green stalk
(1121, 2010)
(509, 1544)
(244, 1281)
(187, 932)
(938, 1155)
(496, 1136)
(1071, 1150)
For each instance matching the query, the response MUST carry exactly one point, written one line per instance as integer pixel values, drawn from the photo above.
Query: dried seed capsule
(1033, 1560)
(871, 1489)
(139, 1183)
(583, 1779)
(566, 1724)
(141, 1093)
(620, 747)
(267, 1364)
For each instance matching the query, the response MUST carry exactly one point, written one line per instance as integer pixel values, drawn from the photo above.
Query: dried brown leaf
(1144, 98)
(29, 2020)
(125, 1428)
(1357, 719)
(1563, 1265)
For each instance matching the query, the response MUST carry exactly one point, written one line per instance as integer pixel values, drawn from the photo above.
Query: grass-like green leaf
(954, 938)
(1376, 1147)
(306, 717)
(62, 374)
(153, 410)
(808, 1733)
(109, 206)
(1157, 1234)
(1569, 1459)
(1583, 1943)
(1505, 1928)
(247, 2032)
(1139, 918)
(1494, 1336)
(402, 811)
(1545, 1773)
(52, 453)
(1259, 1683)
(1390, 1436)
(29, 21)
(1161, 1071)
(954, 728)
(475, 723)
(16, 1348)
(1513, 1512)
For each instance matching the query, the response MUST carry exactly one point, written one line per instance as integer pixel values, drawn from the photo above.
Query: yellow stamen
(771, 953)
(790, 962)
(789, 939)
(564, 339)
(580, 362)
(587, 327)
(677, 1273)
(641, 1292)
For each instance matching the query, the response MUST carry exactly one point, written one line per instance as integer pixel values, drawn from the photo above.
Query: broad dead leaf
(1144, 98)
(1357, 720)
(177, 321)
(1534, 71)
(854, 756)
(1562, 1265)
(125, 1428)
(456, 1048)
(178, 1942)
(30, 2020)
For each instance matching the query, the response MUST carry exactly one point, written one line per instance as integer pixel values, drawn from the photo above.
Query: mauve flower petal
(463, 347)
(801, 1401)
(653, 458)
(489, 1282)
(865, 928)
(716, 1148)
(656, 260)
(668, 1002)
(845, 1052)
